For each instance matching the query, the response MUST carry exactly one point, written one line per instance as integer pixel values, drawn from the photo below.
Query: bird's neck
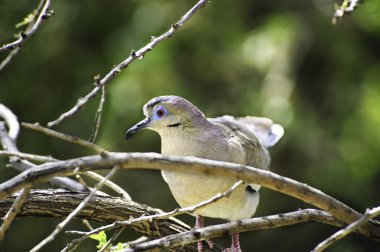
(182, 140)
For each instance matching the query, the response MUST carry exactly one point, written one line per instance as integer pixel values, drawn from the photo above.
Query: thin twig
(245, 225)
(150, 218)
(64, 137)
(370, 213)
(109, 184)
(11, 120)
(62, 225)
(12, 213)
(346, 7)
(27, 156)
(87, 224)
(27, 34)
(133, 56)
(114, 237)
(9, 144)
(98, 116)
(129, 243)
(81, 181)
(42, 13)
(9, 58)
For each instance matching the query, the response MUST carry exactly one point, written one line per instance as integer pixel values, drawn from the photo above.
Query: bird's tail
(266, 131)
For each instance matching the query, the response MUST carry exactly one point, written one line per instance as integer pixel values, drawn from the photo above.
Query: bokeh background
(280, 59)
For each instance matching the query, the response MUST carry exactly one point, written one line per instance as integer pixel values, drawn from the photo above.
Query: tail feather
(265, 130)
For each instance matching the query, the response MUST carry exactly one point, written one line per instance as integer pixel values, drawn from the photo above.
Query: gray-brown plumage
(185, 131)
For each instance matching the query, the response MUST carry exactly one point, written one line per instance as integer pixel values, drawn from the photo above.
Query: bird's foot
(235, 246)
(210, 244)
(200, 246)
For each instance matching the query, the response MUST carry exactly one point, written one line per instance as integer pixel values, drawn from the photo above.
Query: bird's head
(166, 114)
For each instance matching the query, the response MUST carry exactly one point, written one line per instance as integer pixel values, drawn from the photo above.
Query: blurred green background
(280, 59)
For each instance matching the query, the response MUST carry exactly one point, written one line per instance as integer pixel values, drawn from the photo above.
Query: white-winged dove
(185, 131)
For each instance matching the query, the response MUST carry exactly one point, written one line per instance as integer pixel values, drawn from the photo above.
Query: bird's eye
(160, 112)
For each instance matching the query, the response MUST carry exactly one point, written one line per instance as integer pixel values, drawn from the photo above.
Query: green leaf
(119, 246)
(101, 237)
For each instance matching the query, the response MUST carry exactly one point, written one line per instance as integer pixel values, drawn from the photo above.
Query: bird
(185, 131)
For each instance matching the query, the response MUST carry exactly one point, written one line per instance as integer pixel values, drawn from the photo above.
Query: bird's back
(243, 139)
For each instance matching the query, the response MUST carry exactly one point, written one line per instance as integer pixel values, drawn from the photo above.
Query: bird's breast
(190, 188)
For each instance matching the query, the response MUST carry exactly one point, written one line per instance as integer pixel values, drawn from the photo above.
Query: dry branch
(64, 137)
(370, 213)
(101, 208)
(149, 218)
(258, 223)
(156, 161)
(67, 220)
(13, 211)
(20, 164)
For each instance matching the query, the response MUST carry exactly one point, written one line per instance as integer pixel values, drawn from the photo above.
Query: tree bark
(102, 208)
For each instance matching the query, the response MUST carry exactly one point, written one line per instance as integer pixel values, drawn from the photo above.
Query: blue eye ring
(160, 112)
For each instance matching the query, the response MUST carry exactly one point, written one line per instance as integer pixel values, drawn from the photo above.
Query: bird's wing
(266, 131)
(255, 152)
(255, 135)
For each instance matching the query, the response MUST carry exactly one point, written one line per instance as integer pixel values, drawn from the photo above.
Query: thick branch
(71, 216)
(60, 203)
(156, 161)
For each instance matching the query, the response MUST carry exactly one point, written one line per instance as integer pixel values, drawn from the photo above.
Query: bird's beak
(143, 124)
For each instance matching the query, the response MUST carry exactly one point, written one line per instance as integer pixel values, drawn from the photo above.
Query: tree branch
(346, 7)
(12, 212)
(64, 137)
(27, 156)
(11, 121)
(98, 116)
(90, 174)
(272, 221)
(42, 13)
(164, 215)
(9, 143)
(370, 213)
(114, 187)
(132, 57)
(101, 208)
(156, 161)
(67, 220)
(29, 33)
(60, 203)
